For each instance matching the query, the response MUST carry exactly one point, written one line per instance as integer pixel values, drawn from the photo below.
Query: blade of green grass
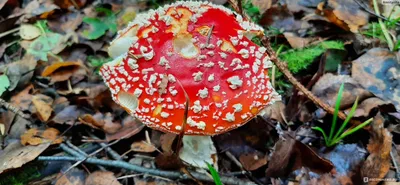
(214, 174)
(323, 133)
(335, 114)
(349, 116)
(355, 129)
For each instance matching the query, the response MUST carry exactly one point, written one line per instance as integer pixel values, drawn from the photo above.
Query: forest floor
(336, 67)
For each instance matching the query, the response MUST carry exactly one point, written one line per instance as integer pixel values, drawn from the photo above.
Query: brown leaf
(67, 4)
(291, 154)
(15, 155)
(90, 120)
(275, 111)
(36, 137)
(296, 41)
(74, 177)
(166, 141)
(20, 73)
(142, 146)
(110, 127)
(378, 162)
(43, 105)
(365, 107)
(61, 71)
(346, 14)
(378, 72)
(102, 178)
(130, 127)
(23, 100)
(67, 116)
(328, 85)
(40, 8)
(253, 161)
(281, 18)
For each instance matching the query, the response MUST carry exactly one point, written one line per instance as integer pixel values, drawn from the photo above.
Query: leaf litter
(51, 51)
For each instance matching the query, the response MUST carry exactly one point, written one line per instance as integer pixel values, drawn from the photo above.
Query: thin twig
(283, 68)
(13, 109)
(110, 151)
(9, 32)
(139, 169)
(83, 154)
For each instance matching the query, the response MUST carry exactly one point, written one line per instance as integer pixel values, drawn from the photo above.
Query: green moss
(299, 59)
(20, 176)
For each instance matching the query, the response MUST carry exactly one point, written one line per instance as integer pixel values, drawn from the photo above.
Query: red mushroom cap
(199, 48)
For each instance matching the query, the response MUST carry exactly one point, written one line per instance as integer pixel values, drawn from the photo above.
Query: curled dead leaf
(346, 14)
(253, 161)
(43, 105)
(378, 162)
(36, 137)
(102, 178)
(15, 155)
(291, 154)
(142, 146)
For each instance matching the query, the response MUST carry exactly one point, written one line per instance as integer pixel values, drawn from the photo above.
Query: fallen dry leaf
(378, 162)
(346, 14)
(15, 155)
(61, 71)
(102, 178)
(74, 177)
(281, 18)
(253, 161)
(67, 4)
(43, 105)
(29, 31)
(36, 137)
(20, 73)
(39, 8)
(328, 85)
(275, 111)
(23, 100)
(142, 146)
(291, 154)
(296, 41)
(378, 72)
(364, 108)
(130, 127)
(166, 141)
(67, 116)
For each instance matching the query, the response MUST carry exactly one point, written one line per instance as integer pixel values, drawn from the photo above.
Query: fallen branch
(13, 109)
(139, 169)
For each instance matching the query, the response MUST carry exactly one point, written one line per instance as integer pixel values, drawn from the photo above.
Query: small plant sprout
(334, 139)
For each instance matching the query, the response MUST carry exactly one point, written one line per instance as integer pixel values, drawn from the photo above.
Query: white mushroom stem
(197, 150)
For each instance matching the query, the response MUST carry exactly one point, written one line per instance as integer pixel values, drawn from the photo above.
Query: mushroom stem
(197, 150)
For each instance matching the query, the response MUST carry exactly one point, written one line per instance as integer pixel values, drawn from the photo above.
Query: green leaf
(43, 45)
(42, 24)
(214, 174)
(99, 26)
(4, 83)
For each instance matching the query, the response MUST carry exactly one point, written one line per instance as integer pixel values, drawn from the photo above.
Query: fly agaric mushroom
(196, 49)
